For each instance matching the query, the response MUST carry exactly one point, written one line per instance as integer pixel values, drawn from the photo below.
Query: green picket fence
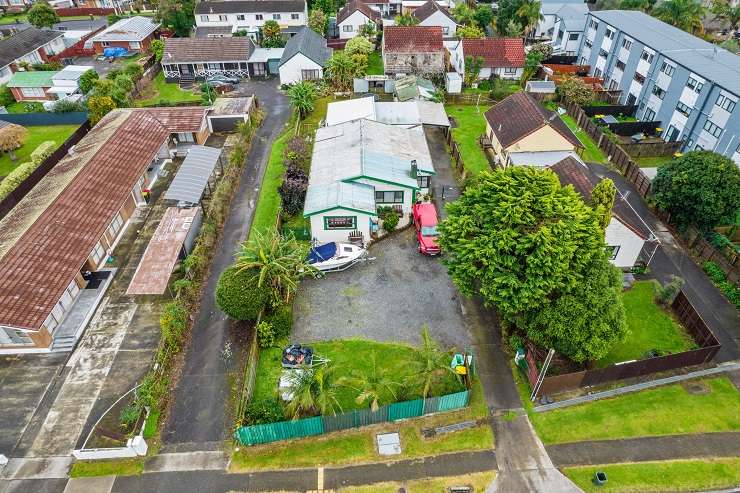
(285, 430)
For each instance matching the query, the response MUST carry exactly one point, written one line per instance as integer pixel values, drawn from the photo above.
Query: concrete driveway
(388, 299)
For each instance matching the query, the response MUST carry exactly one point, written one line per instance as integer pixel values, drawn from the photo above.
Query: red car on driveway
(425, 220)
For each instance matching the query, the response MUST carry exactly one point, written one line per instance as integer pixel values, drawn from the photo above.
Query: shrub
(390, 222)
(172, 322)
(266, 334)
(124, 82)
(114, 73)
(238, 296)
(6, 96)
(42, 152)
(134, 70)
(730, 290)
(666, 294)
(87, 80)
(720, 241)
(68, 106)
(281, 319)
(293, 194)
(297, 153)
(15, 178)
(129, 415)
(263, 412)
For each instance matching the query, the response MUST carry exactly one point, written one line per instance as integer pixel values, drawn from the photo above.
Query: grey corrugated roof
(573, 16)
(130, 29)
(355, 196)
(190, 180)
(250, 6)
(25, 42)
(699, 56)
(309, 44)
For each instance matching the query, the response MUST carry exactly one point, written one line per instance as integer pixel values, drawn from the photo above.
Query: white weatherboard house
(359, 166)
(433, 14)
(304, 57)
(354, 16)
(248, 15)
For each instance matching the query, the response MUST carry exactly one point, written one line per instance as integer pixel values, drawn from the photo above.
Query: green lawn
(117, 467)
(36, 135)
(664, 410)
(25, 107)
(673, 476)
(591, 153)
(470, 126)
(394, 358)
(161, 90)
(479, 481)
(375, 64)
(651, 327)
(651, 162)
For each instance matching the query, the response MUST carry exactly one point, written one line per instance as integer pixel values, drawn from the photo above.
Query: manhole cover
(697, 388)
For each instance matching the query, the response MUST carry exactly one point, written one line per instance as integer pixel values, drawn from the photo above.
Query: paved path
(672, 259)
(198, 420)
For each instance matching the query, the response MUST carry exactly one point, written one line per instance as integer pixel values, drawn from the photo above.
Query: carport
(227, 113)
(191, 180)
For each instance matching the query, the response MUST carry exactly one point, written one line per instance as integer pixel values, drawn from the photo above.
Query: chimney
(414, 169)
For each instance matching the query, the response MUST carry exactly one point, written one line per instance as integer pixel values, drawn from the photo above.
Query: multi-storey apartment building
(250, 15)
(691, 86)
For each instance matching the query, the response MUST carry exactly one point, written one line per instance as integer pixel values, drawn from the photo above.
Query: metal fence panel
(431, 405)
(284, 430)
(339, 422)
(406, 409)
(366, 417)
(454, 401)
(37, 119)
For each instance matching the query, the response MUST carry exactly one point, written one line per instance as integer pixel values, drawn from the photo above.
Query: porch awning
(192, 177)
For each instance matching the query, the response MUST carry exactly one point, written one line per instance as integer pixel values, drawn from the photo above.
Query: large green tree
(516, 237)
(700, 188)
(42, 15)
(530, 14)
(317, 21)
(585, 322)
(178, 15)
(271, 35)
(684, 14)
(340, 69)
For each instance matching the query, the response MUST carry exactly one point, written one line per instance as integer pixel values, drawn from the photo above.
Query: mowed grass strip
(479, 481)
(660, 411)
(115, 467)
(471, 125)
(653, 477)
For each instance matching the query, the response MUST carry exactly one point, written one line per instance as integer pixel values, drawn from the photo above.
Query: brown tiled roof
(519, 115)
(353, 6)
(190, 50)
(413, 39)
(424, 11)
(496, 52)
(46, 238)
(570, 171)
(182, 119)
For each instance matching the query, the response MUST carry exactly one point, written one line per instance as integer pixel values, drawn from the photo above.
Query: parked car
(425, 221)
(222, 79)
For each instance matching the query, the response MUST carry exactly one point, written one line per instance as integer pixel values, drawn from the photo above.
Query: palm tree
(279, 262)
(372, 386)
(430, 362)
(684, 14)
(341, 69)
(303, 97)
(313, 390)
(530, 14)
(463, 14)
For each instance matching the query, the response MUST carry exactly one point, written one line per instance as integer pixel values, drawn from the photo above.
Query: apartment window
(620, 65)
(639, 78)
(510, 70)
(276, 17)
(258, 17)
(683, 109)
(422, 181)
(626, 44)
(712, 128)
(649, 115)
(348, 28)
(667, 69)
(340, 222)
(609, 33)
(698, 147)
(311, 74)
(597, 72)
(647, 56)
(725, 103)
(573, 37)
(222, 18)
(589, 44)
(612, 251)
(613, 85)
(603, 53)
(294, 16)
(32, 92)
(658, 92)
(241, 17)
(583, 60)
(560, 35)
(689, 143)
(737, 149)
(204, 18)
(694, 84)
(593, 24)
(389, 197)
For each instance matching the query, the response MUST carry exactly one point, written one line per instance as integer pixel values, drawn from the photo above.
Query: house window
(667, 69)
(241, 17)
(698, 147)
(105, 43)
(204, 18)
(340, 222)
(683, 109)
(115, 226)
(97, 253)
(649, 115)
(13, 336)
(222, 18)
(620, 65)
(276, 17)
(597, 72)
(612, 251)
(348, 28)
(658, 92)
(445, 30)
(626, 44)
(32, 92)
(609, 33)
(392, 197)
(294, 16)
(310, 74)
(694, 84)
(509, 70)
(185, 137)
(593, 24)
(725, 103)
(639, 78)
(712, 128)
(573, 37)
(258, 17)
(613, 85)
(422, 181)
(134, 45)
(647, 56)
(560, 35)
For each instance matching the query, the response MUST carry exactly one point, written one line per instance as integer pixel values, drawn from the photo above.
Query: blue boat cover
(321, 253)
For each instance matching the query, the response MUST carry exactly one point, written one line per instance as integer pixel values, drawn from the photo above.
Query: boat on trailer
(335, 256)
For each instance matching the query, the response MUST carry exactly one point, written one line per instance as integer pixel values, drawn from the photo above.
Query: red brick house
(133, 33)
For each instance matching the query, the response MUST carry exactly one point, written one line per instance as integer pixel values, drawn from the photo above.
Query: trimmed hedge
(281, 319)
(238, 296)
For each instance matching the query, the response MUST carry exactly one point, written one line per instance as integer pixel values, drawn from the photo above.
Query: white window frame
(33, 92)
(276, 17)
(204, 18)
(295, 17)
(258, 17)
(348, 28)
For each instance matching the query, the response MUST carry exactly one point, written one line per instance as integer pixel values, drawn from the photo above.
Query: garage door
(227, 124)
(272, 66)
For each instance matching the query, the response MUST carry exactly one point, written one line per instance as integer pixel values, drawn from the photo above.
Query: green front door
(272, 66)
